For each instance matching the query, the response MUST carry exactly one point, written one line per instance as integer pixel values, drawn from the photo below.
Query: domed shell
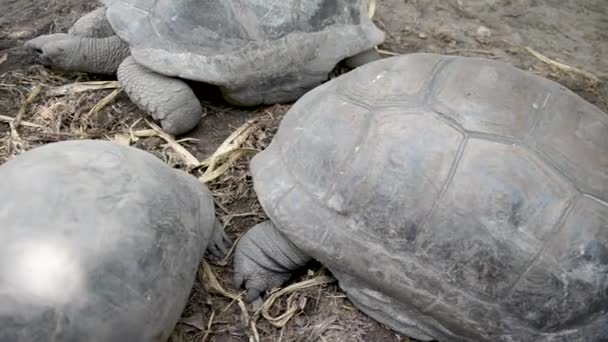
(239, 45)
(460, 196)
(100, 242)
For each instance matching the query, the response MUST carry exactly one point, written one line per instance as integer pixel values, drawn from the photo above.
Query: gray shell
(246, 46)
(100, 242)
(453, 198)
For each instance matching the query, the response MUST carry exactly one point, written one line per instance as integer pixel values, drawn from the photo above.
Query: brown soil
(573, 33)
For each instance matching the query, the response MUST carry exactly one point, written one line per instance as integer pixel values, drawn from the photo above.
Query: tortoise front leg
(264, 258)
(169, 100)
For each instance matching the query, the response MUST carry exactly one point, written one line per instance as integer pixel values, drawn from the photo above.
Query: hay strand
(228, 152)
(371, 9)
(231, 157)
(30, 98)
(186, 156)
(561, 66)
(80, 87)
(9, 119)
(103, 103)
(211, 281)
(281, 320)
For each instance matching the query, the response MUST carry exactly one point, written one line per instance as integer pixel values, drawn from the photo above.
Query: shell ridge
(557, 229)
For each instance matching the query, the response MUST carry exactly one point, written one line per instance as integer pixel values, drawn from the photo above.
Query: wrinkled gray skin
(256, 51)
(456, 199)
(100, 242)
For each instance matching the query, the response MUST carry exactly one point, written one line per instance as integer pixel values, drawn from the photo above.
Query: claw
(219, 246)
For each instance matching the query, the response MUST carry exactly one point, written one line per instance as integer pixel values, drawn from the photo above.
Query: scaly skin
(72, 53)
(91, 46)
(264, 259)
(168, 100)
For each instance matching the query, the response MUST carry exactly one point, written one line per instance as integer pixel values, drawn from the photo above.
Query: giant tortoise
(256, 51)
(453, 198)
(100, 242)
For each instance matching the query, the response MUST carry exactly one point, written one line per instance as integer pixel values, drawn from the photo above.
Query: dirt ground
(564, 40)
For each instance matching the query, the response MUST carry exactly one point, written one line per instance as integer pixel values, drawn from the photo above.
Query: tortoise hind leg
(169, 100)
(264, 259)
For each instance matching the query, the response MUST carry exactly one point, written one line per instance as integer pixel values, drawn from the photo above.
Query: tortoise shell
(283, 47)
(453, 198)
(100, 242)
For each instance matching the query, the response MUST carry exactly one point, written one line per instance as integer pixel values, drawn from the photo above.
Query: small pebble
(422, 35)
(483, 31)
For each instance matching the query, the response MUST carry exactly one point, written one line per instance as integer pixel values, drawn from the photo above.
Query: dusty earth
(564, 40)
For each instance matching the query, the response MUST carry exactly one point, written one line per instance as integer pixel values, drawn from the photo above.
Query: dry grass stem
(209, 324)
(211, 281)
(386, 52)
(256, 334)
(103, 103)
(232, 156)
(282, 319)
(9, 119)
(233, 142)
(229, 152)
(481, 52)
(187, 157)
(371, 9)
(30, 98)
(80, 87)
(562, 66)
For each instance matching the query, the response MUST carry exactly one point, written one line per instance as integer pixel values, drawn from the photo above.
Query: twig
(9, 119)
(30, 98)
(79, 87)
(104, 102)
(481, 52)
(209, 326)
(561, 66)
